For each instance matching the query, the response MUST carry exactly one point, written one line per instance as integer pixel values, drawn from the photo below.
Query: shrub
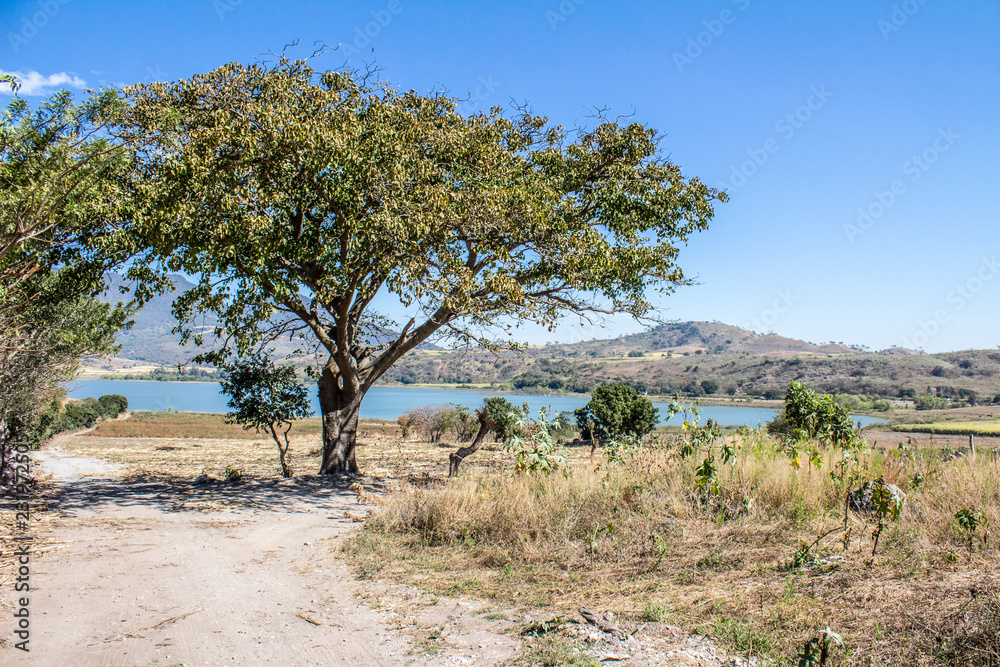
(112, 405)
(816, 415)
(710, 386)
(882, 405)
(433, 421)
(616, 410)
(637, 353)
(81, 414)
(928, 402)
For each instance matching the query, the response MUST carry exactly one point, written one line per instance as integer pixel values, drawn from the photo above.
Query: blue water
(380, 403)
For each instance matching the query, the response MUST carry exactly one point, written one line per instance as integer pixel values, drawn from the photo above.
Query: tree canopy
(298, 196)
(60, 191)
(616, 410)
(262, 395)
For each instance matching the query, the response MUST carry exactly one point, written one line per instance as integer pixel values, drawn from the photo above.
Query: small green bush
(928, 402)
(112, 405)
(616, 410)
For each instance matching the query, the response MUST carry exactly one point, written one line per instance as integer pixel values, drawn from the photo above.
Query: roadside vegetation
(760, 541)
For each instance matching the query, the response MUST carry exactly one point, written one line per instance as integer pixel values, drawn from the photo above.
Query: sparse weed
(233, 474)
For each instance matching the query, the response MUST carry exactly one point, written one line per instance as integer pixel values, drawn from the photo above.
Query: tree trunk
(282, 451)
(485, 426)
(340, 425)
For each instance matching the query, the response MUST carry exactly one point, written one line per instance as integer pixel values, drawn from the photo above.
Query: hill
(691, 358)
(150, 339)
(698, 358)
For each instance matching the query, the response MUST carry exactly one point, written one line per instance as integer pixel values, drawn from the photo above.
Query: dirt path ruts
(178, 574)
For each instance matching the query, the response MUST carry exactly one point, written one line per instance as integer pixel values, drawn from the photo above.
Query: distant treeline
(163, 375)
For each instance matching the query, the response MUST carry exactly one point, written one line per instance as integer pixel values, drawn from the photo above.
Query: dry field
(185, 445)
(638, 541)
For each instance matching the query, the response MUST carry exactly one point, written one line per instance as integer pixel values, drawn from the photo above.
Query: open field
(639, 541)
(987, 428)
(184, 445)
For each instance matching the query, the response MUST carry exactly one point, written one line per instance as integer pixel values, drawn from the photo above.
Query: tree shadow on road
(307, 493)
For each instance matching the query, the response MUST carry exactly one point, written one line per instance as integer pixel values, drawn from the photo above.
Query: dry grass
(637, 539)
(985, 428)
(188, 425)
(185, 445)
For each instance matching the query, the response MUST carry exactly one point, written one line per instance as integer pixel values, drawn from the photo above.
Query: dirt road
(224, 573)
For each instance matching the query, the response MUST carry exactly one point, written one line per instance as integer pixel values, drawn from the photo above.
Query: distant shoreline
(738, 402)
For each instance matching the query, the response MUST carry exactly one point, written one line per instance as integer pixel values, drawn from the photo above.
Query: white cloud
(33, 83)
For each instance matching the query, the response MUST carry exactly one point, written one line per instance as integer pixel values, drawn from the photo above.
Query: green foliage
(970, 521)
(43, 340)
(113, 405)
(504, 416)
(233, 474)
(815, 415)
(12, 81)
(619, 450)
(533, 447)
(263, 396)
(616, 410)
(314, 192)
(76, 415)
(885, 506)
(59, 191)
(928, 402)
(882, 405)
(816, 652)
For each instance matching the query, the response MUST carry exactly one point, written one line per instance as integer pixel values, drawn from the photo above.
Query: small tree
(112, 405)
(616, 410)
(265, 396)
(497, 415)
(811, 415)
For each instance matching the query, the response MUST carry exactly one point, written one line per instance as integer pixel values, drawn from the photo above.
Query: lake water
(380, 403)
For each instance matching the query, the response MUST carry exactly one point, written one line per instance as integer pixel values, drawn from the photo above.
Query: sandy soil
(226, 573)
(127, 571)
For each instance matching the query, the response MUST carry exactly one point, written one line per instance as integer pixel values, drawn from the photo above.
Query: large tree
(298, 196)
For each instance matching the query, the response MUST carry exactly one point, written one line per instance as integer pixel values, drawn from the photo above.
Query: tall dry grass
(640, 534)
(621, 508)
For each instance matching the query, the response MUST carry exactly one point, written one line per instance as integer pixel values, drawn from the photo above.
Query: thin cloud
(33, 83)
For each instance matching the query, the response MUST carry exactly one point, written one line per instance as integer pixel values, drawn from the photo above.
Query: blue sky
(858, 140)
